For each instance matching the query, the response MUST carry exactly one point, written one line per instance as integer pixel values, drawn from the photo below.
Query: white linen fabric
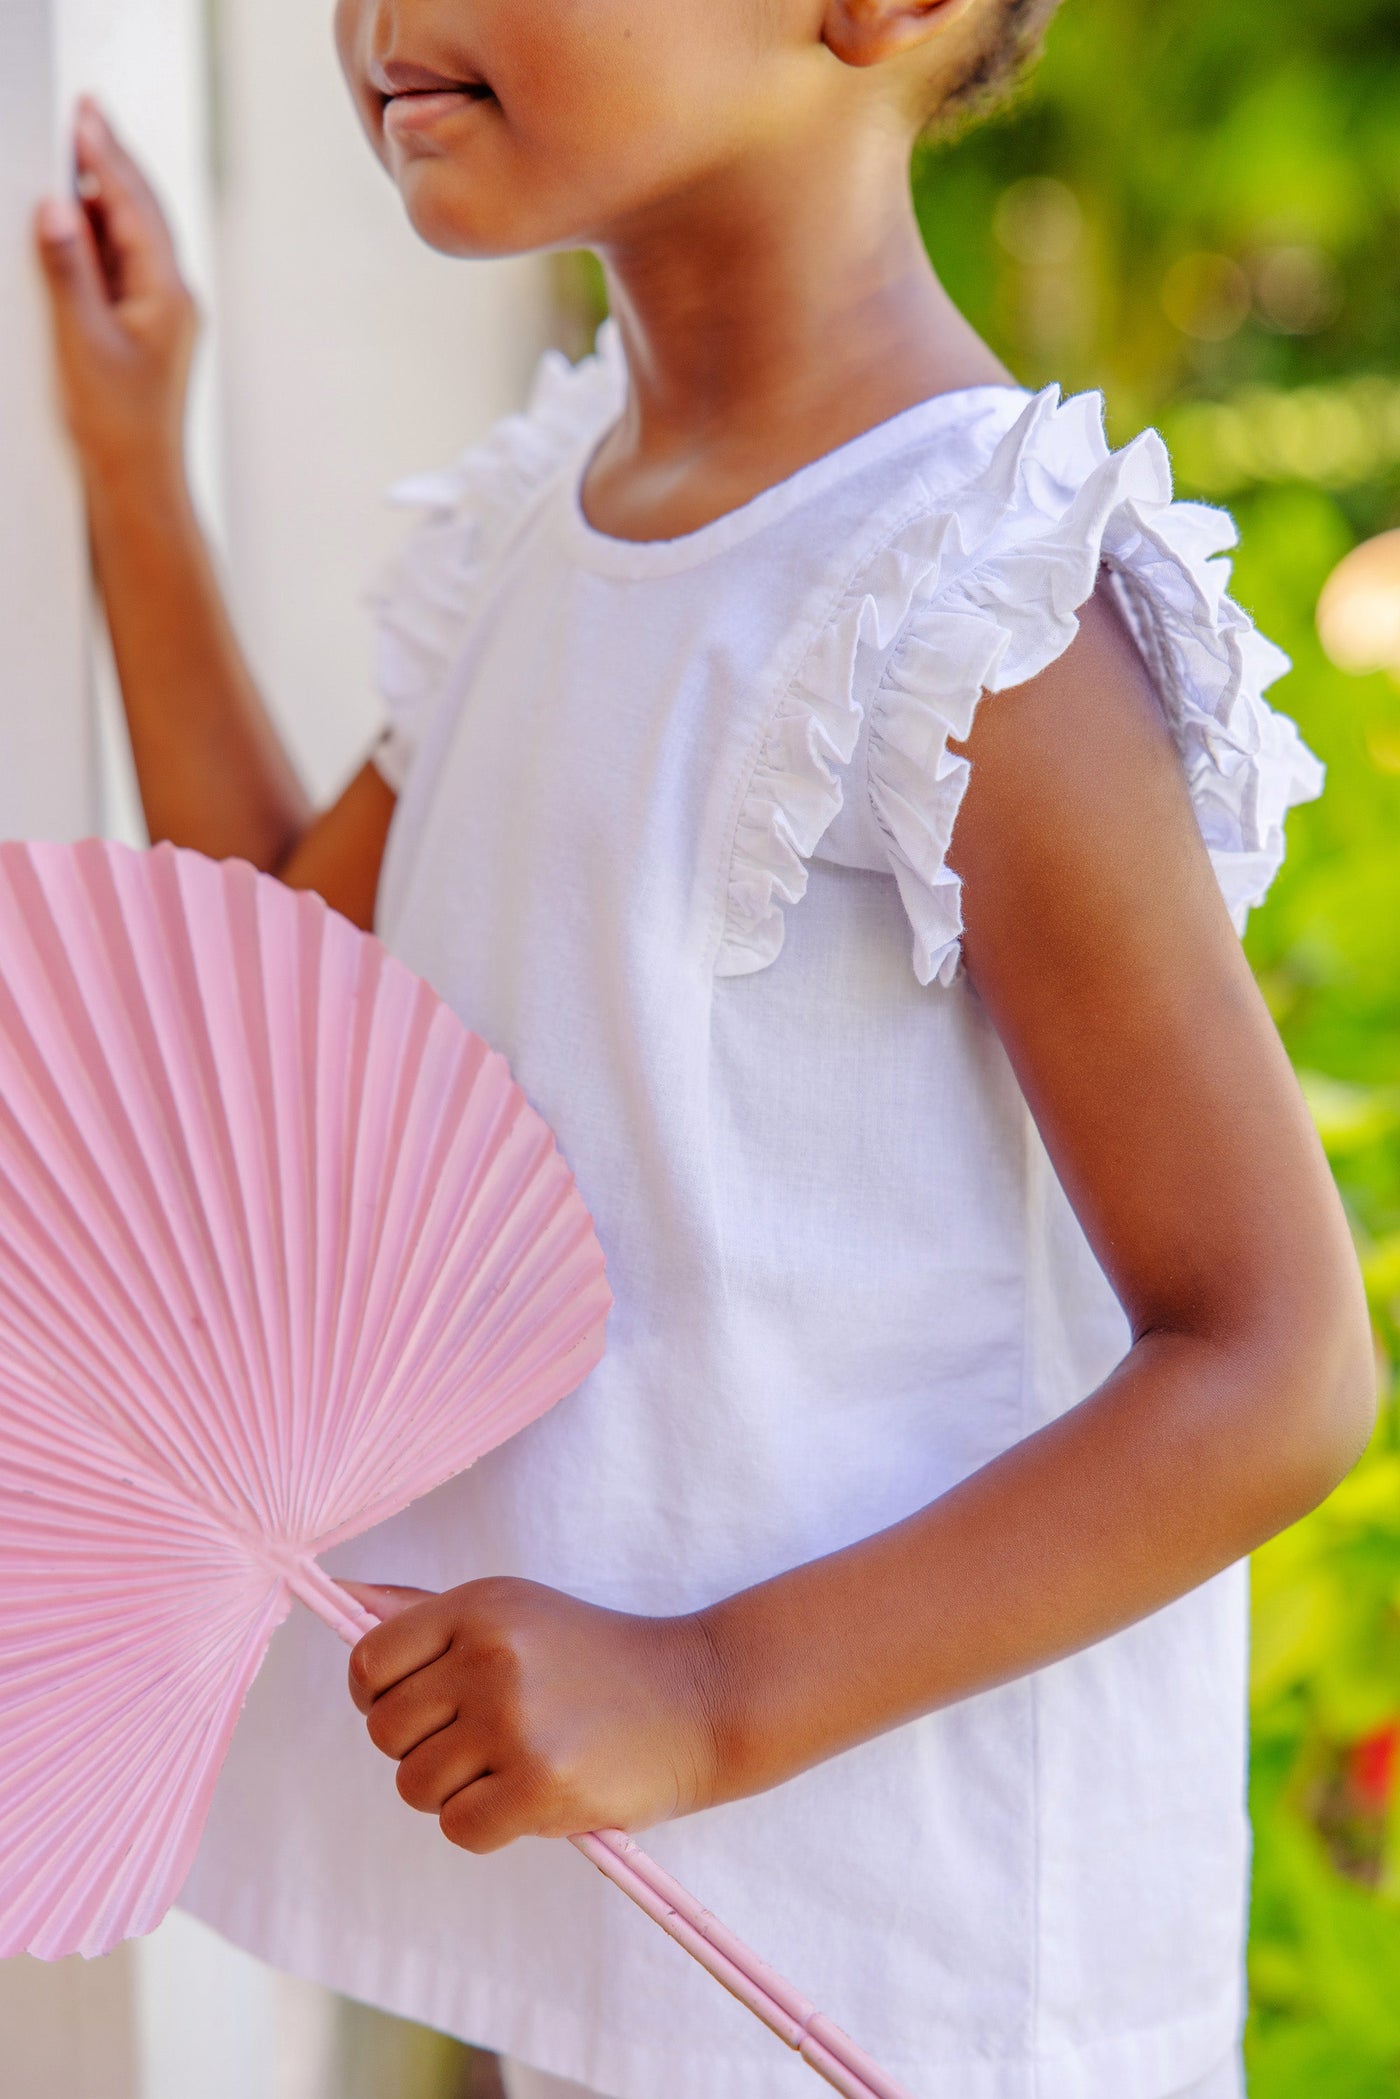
(1224, 2082)
(672, 819)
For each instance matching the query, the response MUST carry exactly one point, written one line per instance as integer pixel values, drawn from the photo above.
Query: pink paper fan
(282, 1246)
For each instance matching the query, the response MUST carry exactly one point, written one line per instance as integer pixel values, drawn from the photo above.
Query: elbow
(1318, 1393)
(1340, 1421)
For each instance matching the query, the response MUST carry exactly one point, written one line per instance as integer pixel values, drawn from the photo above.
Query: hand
(513, 1710)
(125, 323)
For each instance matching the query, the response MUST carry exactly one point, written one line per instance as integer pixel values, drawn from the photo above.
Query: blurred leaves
(1197, 210)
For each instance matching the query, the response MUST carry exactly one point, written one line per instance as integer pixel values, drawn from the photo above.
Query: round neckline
(603, 552)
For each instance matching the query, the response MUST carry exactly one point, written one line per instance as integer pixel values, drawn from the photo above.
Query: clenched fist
(513, 1710)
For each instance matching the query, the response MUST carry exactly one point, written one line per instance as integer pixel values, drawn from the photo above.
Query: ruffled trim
(425, 597)
(982, 597)
(795, 791)
(1005, 605)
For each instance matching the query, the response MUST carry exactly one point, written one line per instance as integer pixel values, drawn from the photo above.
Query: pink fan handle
(788, 2014)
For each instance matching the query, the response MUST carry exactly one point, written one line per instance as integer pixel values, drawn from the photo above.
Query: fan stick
(782, 2009)
(804, 2028)
(821, 2044)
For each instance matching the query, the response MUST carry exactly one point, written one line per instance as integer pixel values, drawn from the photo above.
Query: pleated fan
(282, 1246)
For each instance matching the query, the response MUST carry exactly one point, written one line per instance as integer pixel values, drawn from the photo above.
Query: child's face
(564, 121)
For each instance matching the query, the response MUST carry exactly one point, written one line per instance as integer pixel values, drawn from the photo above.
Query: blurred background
(1195, 209)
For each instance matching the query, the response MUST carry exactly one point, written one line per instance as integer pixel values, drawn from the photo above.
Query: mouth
(415, 98)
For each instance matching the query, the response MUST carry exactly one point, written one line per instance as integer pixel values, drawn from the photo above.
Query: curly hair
(1012, 42)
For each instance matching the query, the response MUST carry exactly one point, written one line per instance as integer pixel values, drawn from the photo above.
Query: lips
(396, 79)
(464, 91)
(420, 114)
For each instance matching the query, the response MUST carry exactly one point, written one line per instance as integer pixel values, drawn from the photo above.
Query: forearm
(1175, 1468)
(211, 769)
(573, 1717)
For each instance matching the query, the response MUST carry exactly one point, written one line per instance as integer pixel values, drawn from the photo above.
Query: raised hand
(211, 767)
(513, 1710)
(125, 321)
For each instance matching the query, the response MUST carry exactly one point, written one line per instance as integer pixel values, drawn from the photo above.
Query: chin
(459, 216)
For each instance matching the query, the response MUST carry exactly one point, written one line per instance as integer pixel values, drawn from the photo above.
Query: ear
(865, 32)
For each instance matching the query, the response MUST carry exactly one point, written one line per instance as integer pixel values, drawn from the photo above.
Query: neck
(769, 316)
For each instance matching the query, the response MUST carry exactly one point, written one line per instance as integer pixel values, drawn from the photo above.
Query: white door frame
(47, 771)
(349, 356)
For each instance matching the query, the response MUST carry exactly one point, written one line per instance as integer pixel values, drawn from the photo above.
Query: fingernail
(88, 186)
(58, 221)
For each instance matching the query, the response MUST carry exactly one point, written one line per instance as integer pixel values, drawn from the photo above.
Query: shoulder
(1055, 520)
(974, 582)
(425, 596)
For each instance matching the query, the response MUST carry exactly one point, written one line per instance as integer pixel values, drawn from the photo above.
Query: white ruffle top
(672, 834)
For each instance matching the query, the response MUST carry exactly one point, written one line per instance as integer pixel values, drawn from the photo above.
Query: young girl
(829, 775)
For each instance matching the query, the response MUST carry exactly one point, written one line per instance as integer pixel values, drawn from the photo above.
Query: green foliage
(1197, 209)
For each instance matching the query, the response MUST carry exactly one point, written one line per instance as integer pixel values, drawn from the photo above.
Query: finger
(444, 1765)
(385, 1599)
(73, 272)
(132, 228)
(494, 1810)
(413, 1711)
(415, 1637)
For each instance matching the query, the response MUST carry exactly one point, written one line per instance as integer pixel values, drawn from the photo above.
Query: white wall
(148, 60)
(213, 2023)
(67, 2028)
(46, 762)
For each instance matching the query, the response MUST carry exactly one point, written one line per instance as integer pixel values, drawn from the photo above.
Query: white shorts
(1226, 2082)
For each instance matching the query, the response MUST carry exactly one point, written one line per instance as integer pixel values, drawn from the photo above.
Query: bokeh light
(1358, 612)
(1039, 221)
(1297, 288)
(1206, 296)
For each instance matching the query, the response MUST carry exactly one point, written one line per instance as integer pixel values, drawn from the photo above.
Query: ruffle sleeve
(978, 595)
(426, 595)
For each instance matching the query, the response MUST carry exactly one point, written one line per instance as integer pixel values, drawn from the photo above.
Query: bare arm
(1098, 941)
(212, 770)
